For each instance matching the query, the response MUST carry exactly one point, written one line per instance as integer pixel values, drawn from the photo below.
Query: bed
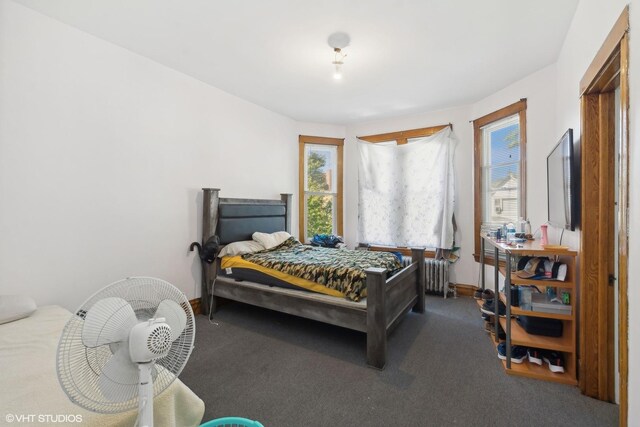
(387, 298)
(30, 384)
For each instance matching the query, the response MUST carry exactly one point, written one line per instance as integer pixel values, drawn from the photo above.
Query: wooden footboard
(388, 300)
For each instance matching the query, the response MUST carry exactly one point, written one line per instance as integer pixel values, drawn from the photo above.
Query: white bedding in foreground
(29, 383)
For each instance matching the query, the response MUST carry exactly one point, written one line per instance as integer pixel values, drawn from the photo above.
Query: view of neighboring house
(504, 200)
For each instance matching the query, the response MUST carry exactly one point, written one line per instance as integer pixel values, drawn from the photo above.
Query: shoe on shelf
(501, 334)
(477, 294)
(518, 353)
(488, 295)
(554, 360)
(535, 356)
(489, 308)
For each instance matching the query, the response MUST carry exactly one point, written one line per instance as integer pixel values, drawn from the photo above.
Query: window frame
(303, 140)
(519, 108)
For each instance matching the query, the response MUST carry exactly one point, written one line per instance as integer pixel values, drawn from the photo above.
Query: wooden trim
(590, 265)
(322, 140)
(523, 161)
(477, 190)
(608, 69)
(507, 111)
(464, 290)
(597, 246)
(195, 305)
(339, 143)
(519, 108)
(402, 136)
(610, 45)
(301, 190)
(623, 237)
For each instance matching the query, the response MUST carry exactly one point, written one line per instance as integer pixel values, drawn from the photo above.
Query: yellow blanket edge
(238, 262)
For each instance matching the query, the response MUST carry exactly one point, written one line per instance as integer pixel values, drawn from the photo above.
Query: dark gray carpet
(442, 369)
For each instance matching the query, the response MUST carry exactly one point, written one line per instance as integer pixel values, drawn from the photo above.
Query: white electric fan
(125, 345)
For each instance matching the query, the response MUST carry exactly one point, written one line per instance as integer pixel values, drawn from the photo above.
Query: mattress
(236, 267)
(30, 385)
(335, 272)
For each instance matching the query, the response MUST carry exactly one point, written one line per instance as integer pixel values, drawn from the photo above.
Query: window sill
(403, 251)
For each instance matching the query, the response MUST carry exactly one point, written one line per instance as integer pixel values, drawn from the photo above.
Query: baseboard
(463, 290)
(195, 305)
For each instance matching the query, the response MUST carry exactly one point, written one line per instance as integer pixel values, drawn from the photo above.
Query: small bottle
(511, 233)
(544, 240)
(527, 228)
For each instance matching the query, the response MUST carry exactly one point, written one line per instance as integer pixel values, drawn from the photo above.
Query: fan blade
(173, 315)
(118, 380)
(108, 321)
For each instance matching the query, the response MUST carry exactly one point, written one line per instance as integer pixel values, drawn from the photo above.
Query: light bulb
(337, 74)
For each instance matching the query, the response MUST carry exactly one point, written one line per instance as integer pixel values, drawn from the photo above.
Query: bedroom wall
(102, 157)
(590, 26)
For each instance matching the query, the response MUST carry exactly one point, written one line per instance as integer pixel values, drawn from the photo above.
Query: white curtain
(406, 192)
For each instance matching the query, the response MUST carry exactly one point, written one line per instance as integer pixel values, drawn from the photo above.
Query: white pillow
(270, 240)
(14, 307)
(240, 248)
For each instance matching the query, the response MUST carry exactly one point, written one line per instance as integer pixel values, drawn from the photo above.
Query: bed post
(376, 317)
(417, 255)
(287, 199)
(210, 202)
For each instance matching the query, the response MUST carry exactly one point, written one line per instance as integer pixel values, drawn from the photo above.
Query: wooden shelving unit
(520, 337)
(515, 334)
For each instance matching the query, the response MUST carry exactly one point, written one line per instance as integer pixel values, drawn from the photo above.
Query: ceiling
(405, 56)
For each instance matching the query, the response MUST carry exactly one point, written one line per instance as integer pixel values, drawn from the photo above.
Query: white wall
(102, 157)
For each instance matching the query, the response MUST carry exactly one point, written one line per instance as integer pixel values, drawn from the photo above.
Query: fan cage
(79, 367)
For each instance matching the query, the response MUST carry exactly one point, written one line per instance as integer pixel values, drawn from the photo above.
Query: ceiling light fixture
(338, 41)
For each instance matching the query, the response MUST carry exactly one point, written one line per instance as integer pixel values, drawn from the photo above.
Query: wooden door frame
(608, 70)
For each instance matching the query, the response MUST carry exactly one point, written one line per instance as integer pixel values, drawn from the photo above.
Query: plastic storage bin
(231, 422)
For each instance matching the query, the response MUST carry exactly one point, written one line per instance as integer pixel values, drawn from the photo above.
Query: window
(320, 186)
(499, 166)
(382, 224)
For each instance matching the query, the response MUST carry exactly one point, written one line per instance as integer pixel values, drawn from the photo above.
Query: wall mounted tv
(562, 184)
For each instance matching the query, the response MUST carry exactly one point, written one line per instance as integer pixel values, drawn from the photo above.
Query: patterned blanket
(339, 269)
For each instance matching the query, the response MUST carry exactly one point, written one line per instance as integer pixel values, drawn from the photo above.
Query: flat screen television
(562, 184)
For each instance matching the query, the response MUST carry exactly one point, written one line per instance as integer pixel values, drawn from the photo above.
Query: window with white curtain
(406, 191)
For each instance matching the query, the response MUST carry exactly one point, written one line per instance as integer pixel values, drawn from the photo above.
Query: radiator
(437, 272)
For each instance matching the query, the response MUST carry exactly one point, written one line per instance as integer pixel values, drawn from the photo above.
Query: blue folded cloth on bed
(326, 240)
